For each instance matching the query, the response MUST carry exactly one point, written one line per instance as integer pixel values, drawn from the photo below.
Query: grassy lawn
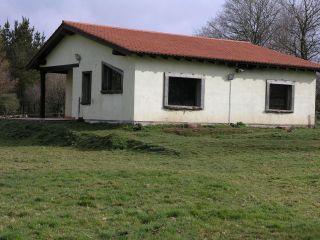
(78, 181)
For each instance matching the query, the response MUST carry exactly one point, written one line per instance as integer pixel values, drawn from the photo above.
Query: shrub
(9, 104)
(238, 125)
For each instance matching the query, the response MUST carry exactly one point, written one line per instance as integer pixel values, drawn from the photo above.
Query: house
(130, 76)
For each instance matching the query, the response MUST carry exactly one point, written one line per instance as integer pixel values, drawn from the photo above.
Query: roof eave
(58, 35)
(35, 60)
(65, 29)
(232, 62)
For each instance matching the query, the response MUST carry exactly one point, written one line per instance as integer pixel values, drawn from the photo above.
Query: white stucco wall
(114, 107)
(143, 86)
(247, 96)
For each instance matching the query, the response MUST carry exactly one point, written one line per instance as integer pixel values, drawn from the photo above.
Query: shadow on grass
(77, 135)
(183, 140)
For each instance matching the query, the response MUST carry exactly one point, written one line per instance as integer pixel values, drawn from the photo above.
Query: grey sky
(176, 16)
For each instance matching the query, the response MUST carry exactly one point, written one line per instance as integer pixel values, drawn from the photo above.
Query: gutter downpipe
(230, 92)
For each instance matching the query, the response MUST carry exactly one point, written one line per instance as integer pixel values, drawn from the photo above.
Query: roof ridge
(157, 32)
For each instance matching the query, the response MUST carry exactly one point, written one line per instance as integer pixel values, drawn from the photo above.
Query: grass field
(78, 181)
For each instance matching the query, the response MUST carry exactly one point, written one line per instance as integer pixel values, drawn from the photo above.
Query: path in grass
(212, 183)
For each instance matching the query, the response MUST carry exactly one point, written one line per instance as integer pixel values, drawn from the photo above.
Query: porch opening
(65, 102)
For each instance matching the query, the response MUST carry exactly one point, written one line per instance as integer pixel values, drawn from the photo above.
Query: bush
(238, 125)
(9, 104)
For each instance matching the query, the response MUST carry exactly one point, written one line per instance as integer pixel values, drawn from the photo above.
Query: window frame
(166, 104)
(121, 72)
(88, 101)
(279, 82)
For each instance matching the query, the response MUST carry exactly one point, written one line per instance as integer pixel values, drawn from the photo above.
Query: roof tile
(148, 42)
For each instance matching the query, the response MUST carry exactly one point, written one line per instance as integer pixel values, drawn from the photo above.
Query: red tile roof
(155, 43)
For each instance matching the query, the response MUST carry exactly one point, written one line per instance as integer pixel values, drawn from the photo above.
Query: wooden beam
(43, 61)
(59, 68)
(42, 94)
(117, 53)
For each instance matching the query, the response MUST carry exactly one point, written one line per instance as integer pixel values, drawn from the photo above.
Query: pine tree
(21, 43)
(6, 36)
(5, 84)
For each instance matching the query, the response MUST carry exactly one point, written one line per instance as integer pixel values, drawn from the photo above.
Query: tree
(300, 29)
(247, 20)
(5, 33)
(300, 32)
(5, 84)
(21, 43)
(289, 26)
(55, 93)
(9, 104)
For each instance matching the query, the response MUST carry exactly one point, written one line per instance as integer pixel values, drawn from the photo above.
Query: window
(112, 79)
(184, 92)
(280, 96)
(86, 88)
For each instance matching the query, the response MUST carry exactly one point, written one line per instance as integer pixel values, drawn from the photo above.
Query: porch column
(42, 94)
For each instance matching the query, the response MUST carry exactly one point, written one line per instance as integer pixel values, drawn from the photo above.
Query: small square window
(112, 79)
(280, 96)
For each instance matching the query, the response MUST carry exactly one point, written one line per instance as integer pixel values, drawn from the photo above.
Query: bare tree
(6, 85)
(299, 33)
(248, 20)
(56, 94)
(290, 26)
(32, 97)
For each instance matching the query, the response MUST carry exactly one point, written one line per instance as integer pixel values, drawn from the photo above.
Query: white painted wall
(142, 98)
(247, 96)
(114, 107)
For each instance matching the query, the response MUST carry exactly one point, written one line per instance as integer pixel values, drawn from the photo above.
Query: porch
(61, 69)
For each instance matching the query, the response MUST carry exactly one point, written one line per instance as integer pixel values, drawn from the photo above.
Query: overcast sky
(175, 16)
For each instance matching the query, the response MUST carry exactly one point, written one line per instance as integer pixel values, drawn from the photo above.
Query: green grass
(79, 181)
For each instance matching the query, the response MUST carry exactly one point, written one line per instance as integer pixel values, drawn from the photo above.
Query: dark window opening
(86, 88)
(184, 92)
(112, 79)
(280, 97)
